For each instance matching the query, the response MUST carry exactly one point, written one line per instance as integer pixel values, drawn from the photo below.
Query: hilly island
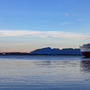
(47, 51)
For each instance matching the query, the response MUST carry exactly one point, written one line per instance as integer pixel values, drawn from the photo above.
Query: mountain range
(56, 51)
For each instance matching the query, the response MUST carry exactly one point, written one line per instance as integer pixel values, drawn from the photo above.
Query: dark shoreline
(28, 54)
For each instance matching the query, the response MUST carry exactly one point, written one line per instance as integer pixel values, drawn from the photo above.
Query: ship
(85, 50)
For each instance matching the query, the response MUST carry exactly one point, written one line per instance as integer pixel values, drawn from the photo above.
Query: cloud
(15, 50)
(19, 44)
(64, 23)
(80, 19)
(67, 14)
(43, 34)
(71, 10)
(9, 50)
(73, 14)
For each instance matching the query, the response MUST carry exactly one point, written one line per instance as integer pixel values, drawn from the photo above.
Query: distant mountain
(48, 50)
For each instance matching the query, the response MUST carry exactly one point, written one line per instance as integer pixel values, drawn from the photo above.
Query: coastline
(19, 53)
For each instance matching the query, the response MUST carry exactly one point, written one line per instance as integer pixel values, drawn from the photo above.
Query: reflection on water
(85, 65)
(55, 64)
(42, 74)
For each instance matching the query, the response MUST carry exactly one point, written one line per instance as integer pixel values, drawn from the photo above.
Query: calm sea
(44, 73)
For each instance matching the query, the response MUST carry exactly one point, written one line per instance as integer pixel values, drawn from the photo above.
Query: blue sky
(26, 25)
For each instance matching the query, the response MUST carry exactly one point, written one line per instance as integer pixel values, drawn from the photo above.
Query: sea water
(38, 72)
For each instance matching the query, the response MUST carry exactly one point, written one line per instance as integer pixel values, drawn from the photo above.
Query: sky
(26, 25)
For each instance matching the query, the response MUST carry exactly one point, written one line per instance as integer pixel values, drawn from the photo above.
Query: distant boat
(85, 49)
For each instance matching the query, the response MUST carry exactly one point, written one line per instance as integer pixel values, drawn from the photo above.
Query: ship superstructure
(85, 49)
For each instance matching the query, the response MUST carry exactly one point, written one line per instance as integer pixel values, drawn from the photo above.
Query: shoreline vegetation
(47, 51)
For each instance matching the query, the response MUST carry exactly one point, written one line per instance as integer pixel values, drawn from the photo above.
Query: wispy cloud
(10, 50)
(80, 19)
(73, 14)
(19, 44)
(43, 34)
(15, 50)
(64, 23)
(67, 14)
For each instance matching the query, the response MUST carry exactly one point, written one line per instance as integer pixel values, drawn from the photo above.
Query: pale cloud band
(44, 34)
